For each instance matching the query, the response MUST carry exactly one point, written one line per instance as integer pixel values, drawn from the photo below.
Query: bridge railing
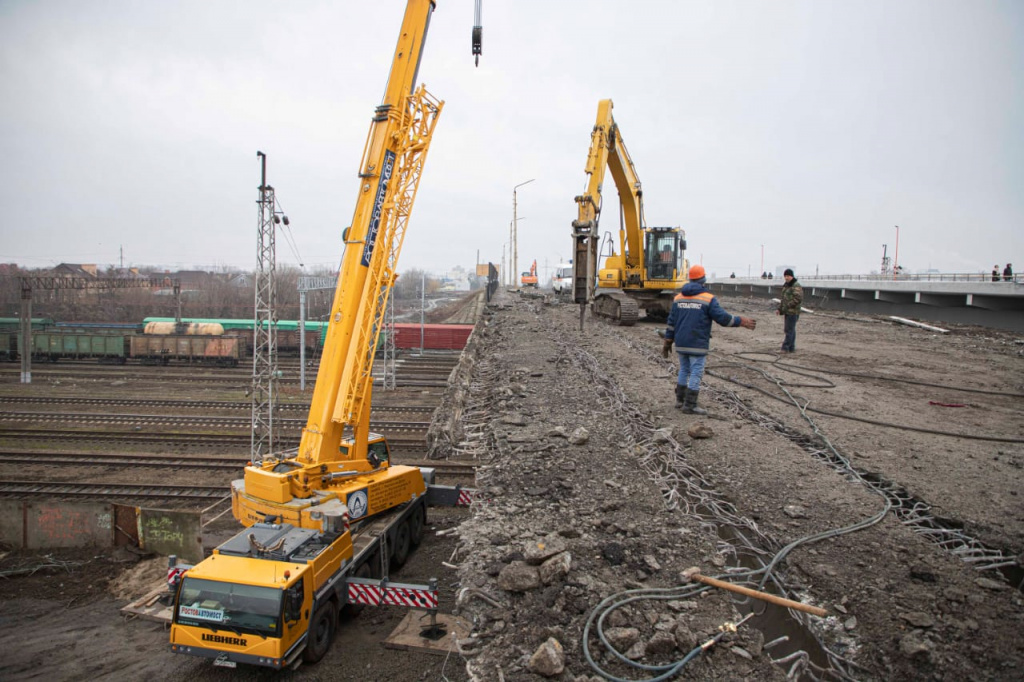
(890, 277)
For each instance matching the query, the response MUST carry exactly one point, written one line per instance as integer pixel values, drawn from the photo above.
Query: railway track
(90, 459)
(193, 404)
(178, 421)
(238, 442)
(436, 380)
(109, 490)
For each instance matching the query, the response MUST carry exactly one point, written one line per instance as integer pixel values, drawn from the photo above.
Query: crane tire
(417, 520)
(321, 632)
(401, 544)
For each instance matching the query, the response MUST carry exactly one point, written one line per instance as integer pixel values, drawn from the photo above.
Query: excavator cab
(663, 250)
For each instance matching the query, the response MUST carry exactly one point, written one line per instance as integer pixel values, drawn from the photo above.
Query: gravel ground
(587, 466)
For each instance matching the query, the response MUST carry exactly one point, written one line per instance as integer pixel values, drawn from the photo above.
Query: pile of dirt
(597, 494)
(140, 579)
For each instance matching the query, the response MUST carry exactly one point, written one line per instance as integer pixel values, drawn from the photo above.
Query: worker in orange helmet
(689, 332)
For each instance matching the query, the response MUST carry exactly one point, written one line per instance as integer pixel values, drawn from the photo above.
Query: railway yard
(876, 473)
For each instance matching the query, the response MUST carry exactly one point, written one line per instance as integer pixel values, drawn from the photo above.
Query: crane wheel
(417, 520)
(401, 544)
(321, 632)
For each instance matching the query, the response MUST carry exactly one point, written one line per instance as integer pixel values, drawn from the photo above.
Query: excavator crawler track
(617, 308)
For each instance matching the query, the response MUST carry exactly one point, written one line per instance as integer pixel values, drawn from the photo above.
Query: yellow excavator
(649, 266)
(323, 523)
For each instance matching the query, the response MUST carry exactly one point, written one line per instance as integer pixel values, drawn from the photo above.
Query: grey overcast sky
(810, 127)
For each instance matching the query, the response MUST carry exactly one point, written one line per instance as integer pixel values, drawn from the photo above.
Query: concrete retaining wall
(55, 524)
(171, 532)
(45, 525)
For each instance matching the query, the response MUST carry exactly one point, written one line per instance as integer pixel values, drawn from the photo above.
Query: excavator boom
(649, 264)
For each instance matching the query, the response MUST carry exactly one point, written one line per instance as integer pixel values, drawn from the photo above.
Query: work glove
(666, 348)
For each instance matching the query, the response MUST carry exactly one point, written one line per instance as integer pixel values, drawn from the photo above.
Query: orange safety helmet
(696, 272)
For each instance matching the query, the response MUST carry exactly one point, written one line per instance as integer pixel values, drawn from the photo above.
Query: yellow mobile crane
(323, 523)
(650, 264)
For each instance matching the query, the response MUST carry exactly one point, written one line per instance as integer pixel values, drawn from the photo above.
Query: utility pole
(515, 231)
(423, 306)
(264, 346)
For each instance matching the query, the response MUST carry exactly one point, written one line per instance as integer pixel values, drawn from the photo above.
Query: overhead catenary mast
(264, 344)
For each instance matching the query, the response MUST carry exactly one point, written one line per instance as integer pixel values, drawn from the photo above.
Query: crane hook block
(478, 40)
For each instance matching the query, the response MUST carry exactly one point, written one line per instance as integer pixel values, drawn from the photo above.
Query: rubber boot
(680, 397)
(691, 403)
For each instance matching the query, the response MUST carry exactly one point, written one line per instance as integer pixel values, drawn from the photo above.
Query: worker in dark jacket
(689, 331)
(790, 305)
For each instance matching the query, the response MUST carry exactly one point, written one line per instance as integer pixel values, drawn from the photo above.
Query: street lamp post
(762, 259)
(508, 277)
(896, 256)
(515, 232)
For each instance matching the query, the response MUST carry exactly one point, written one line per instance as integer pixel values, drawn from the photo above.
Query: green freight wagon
(52, 346)
(8, 346)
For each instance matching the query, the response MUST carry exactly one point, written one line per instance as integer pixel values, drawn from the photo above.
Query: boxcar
(432, 336)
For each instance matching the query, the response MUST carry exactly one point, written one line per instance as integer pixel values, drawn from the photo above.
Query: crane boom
(337, 449)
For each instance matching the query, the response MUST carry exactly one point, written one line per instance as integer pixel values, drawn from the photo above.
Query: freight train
(155, 341)
(161, 341)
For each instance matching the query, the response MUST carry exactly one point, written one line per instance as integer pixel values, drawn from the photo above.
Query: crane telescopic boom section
(337, 450)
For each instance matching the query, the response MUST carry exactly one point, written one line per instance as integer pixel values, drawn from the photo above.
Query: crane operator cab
(664, 248)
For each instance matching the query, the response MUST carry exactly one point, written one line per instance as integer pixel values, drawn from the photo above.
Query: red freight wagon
(434, 336)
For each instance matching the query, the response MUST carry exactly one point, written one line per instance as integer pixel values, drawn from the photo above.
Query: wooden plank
(149, 607)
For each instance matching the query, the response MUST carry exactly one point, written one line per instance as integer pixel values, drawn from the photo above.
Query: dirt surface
(63, 622)
(595, 499)
(587, 464)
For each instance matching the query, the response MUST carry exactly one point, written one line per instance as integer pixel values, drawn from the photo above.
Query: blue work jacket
(689, 323)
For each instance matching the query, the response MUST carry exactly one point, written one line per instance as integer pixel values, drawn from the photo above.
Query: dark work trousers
(789, 343)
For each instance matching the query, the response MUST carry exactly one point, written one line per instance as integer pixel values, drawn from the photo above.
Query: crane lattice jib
(416, 126)
(389, 174)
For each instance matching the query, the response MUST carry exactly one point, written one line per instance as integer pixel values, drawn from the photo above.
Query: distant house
(242, 280)
(80, 270)
(191, 280)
